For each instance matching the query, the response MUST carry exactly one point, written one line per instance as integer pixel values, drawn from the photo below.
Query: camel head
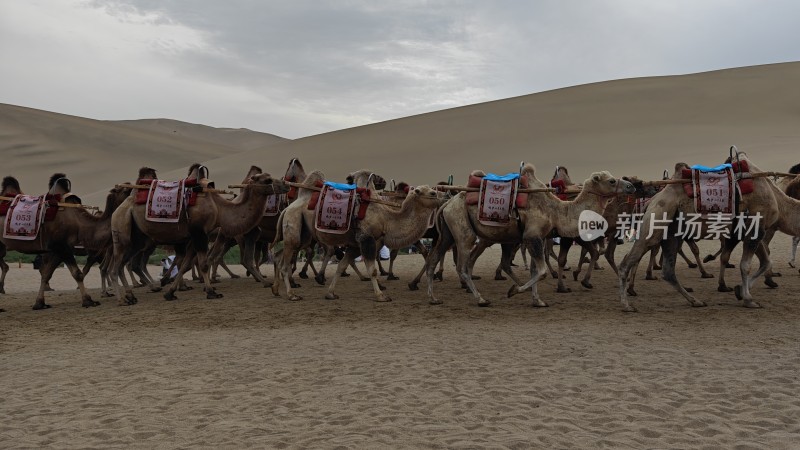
(528, 172)
(679, 167)
(10, 187)
(266, 182)
(146, 173)
(366, 179)
(198, 172)
(641, 190)
(402, 187)
(795, 169)
(59, 184)
(427, 196)
(605, 185)
(254, 170)
(295, 173)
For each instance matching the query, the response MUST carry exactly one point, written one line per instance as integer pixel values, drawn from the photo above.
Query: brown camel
(542, 213)
(190, 234)
(777, 211)
(58, 237)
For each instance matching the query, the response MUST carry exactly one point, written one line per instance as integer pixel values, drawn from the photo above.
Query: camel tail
(279, 229)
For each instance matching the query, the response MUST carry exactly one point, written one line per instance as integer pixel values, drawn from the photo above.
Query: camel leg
(508, 254)
(465, 264)
(124, 247)
(350, 254)
(795, 242)
(699, 264)
(724, 256)
(577, 271)
(749, 248)
(611, 248)
(392, 257)
(437, 256)
(651, 265)
(538, 271)
(49, 266)
(369, 251)
(4, 267)
(686, 259)
(594, 254)
(248, 256)
(66, 255)
(287, 262)
(525, 264)
(669, 251)
(319, 277)
(564, 247)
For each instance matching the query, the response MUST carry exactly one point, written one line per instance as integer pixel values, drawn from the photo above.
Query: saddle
(741, 173)
(474, 181)
(191, 189)
(363, 196)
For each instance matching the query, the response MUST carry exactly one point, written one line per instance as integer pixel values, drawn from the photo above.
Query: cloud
(305, 67)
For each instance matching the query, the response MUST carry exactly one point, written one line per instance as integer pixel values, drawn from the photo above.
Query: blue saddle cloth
(712, 169)
(340, 186)
(506, 177)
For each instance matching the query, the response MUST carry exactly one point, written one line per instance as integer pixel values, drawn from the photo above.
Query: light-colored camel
(190, 234)
(398, 228)
(58, 237)
(543, 213)
(776, 210)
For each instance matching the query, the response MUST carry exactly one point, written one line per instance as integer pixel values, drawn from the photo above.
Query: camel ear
(417, 191)
(596, 177)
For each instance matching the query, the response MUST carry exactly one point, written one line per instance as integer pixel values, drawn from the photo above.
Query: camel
(58, 237)
(262, 233)
(190, 234)
(777, 212)
(10, 188)
(397, 227)
(542, 213)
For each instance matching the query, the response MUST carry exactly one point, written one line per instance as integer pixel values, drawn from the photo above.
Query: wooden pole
(144, 186)
(60, 204)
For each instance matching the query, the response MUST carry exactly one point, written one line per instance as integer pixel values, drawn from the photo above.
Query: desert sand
(252, 370)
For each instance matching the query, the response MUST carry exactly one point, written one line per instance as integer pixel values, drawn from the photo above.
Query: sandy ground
(251, 370)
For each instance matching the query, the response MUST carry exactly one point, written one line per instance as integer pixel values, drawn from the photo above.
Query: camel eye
(612, 181)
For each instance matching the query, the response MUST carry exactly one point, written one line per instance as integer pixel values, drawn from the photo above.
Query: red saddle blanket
(164, 201)
(713, 191)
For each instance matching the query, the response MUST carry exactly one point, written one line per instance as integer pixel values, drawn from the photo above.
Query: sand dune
(636, 126)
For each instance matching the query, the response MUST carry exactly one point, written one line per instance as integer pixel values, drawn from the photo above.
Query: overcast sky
(296, 67)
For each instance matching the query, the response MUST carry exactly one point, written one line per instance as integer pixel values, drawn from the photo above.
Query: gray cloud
(304, 67)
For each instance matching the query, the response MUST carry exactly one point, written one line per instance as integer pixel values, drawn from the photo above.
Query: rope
(65, 205)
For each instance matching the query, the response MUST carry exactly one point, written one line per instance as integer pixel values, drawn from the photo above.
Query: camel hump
(10, 184)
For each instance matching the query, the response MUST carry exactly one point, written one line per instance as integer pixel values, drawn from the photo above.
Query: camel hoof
(632, 293)
(476, 277)
(738, 291)
(381, 287)
(499, 277)
(512, 291)
(692, 266)
(484, 303)
(707, 275)
(435, 301)
(696, 304)
(777, 274)
(730, 266)
(343, 274)
(554, 275)
(586, 284)
(88, 302)
(170, 296)
(575, 274)
(106, 294)
(688, 289)
(130, 299)
(366, 279)
(383, 273)
(563, 290)
(303, 275)
(185, 288)
(412, 286)
(438, 276)
(656, 267)
(724, 288)
(235, 277)
(752, 304)
(216, 281)
(294, 284)
(771, 283)
(539, 304)
(392, 277)
(708, 258)
(267, 284)
(383, 299)
(629, 309)
(48, 289)
(213, 295)
(295, 298)
(331, 296)
(791, 264)
(155, 288)
(651, 277)
(40, 306)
